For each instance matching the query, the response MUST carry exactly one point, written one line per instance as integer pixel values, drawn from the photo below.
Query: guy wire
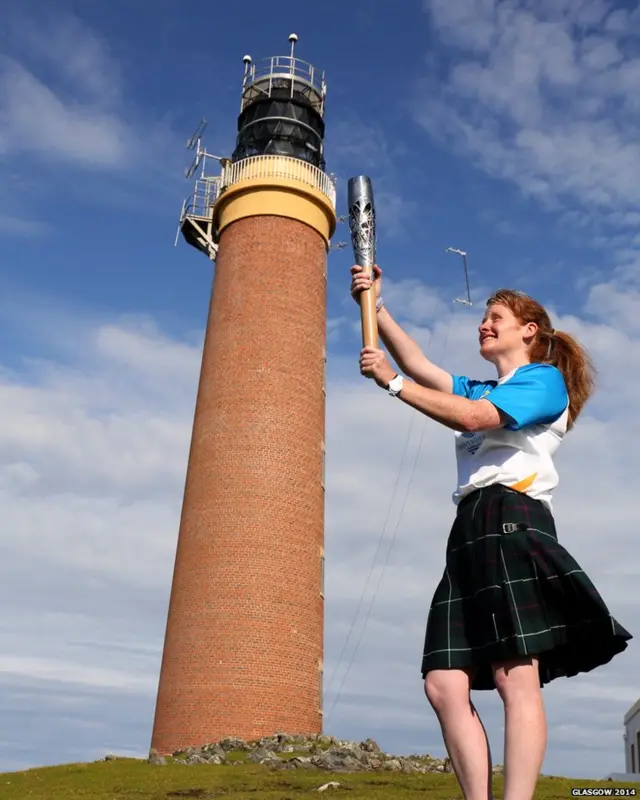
(380, 540)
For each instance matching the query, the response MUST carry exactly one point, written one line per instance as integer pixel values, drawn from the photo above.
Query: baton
(362, 224)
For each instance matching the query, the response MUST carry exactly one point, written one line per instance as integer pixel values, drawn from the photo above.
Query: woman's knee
(447, 687)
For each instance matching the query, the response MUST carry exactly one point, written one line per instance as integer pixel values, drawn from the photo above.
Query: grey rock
(215, 750)
(301, 762)
(332, 762)
(278, 763)
(261, 754)
(233, 743)
(196, 758)
(155, 758)
(350, 764)
(317, 751)
(350, 749)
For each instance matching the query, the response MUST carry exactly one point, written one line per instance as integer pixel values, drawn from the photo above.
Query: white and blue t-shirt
(520, 454)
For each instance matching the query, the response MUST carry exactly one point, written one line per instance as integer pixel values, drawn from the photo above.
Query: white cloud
(606, 302)
(22, 226)
(36, 120)
(94, 430)
(594, 462)
(58, 670)
(543, 96)
(359, 147)
(66, 110)
(60, 93)
(87, 66)
(93, 448)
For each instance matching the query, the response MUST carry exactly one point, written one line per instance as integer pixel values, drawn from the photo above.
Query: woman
(513, 610)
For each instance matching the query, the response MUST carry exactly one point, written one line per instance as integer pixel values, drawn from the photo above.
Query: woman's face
(501, 333)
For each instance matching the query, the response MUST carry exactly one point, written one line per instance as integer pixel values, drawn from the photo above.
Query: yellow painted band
(281, 197)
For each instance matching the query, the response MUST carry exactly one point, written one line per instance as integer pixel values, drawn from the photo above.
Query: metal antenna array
(195, 143)
(196, 217)
(462, 253)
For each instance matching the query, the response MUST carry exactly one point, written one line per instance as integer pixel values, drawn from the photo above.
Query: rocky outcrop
(292, 751)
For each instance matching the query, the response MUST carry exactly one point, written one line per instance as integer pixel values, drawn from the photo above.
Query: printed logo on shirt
(471, 441)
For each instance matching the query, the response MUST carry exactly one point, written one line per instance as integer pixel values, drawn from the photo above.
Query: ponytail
(564, 352)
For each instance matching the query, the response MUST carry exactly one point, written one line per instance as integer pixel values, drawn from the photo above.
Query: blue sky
(507, 129)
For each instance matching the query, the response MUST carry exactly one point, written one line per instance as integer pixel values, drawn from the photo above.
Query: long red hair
(553, 347)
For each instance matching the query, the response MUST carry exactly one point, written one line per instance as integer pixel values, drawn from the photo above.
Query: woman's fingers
(356, 268)
(361, 280)
(359, 284)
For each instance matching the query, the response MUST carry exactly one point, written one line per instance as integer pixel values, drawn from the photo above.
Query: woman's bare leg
(449, 693)
(525, 727)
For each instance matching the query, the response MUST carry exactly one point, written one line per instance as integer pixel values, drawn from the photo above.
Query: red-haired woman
(513, 610)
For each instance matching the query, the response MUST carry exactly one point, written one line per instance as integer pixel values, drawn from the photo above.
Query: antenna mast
(467, 301)
(196, 216)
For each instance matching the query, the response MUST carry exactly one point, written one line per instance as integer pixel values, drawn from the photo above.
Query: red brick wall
(245, 627)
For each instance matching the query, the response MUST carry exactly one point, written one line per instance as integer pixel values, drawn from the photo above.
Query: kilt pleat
(510, 590)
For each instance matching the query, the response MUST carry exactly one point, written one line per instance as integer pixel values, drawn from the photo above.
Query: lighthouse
(243, 647)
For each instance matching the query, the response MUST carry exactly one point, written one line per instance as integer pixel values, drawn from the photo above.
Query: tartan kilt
(510, 590)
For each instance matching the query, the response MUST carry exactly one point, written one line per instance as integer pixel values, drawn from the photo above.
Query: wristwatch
(395, 385)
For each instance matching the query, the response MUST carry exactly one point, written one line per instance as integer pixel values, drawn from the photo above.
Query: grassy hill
(132, 779)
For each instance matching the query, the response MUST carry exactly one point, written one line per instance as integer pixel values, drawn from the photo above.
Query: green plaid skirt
(510, 590)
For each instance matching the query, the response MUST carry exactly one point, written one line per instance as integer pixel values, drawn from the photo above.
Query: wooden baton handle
(368, 314)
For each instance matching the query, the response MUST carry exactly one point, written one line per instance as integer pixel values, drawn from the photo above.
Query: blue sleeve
(473, 390)
(535, 395)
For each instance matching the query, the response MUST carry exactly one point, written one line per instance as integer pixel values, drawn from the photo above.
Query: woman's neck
(509, 362)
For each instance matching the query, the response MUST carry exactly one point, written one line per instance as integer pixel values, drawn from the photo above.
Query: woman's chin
(487, 352)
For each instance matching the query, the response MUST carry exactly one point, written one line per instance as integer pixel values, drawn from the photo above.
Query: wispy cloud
(37, 120)
(544, 95)
(22, 226)
(60, 94)
(81, 60)
(65, 110)
(57, 670)
(359, 147)
(93, 442)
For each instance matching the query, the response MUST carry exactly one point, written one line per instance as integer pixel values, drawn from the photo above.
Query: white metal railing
(297, 71)
(256, 167)
(204, 195)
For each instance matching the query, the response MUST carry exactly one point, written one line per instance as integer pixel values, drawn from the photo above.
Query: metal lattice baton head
(362, 220)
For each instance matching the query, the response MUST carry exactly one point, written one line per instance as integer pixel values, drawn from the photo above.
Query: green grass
(131, 779)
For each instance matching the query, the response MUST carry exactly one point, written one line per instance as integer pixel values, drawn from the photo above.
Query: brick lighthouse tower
(243, 645)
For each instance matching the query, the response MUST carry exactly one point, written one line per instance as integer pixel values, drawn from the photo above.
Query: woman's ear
(530, 331)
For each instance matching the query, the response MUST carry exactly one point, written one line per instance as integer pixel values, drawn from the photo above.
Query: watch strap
(395, 385)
